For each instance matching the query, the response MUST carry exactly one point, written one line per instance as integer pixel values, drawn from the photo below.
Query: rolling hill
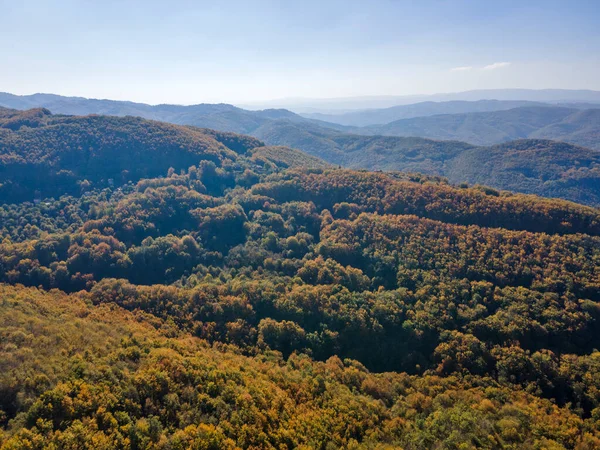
(222, 117)
(547, 168)
(343, 105)
(422, 109)
(219, 294)
(50, 153)
(47, 155)
(288, 157)
(536, 166)
(368, 152)
(580, 127)
(40, 151)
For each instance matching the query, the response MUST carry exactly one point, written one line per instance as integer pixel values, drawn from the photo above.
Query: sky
(188, 52)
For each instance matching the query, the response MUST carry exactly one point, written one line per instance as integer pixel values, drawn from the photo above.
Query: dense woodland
(530, 166)
(224, 294)
(514, 133)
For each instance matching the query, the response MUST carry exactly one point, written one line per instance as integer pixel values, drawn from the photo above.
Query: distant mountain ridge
(492, 121)
(347, 104)
(219, 116)
(575, 126)
(574, 176)
(422, 109)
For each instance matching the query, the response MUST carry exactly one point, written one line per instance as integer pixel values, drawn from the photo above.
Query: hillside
(572, 177)
(222, 117)
(579, 127)
(247, 301)
(358, 151)
(287, 157)
(51, 154)
(532, 166)
(150, 385)
(300, 308)
(341, 105)
(421, 109)
(547, 168)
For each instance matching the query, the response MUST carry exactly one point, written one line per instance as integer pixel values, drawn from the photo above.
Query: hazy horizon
(337, 105)
(240, 53)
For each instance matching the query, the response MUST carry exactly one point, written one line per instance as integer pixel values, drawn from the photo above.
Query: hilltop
(48, 155)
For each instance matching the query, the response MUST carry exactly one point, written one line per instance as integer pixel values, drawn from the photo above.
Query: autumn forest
(173, 287)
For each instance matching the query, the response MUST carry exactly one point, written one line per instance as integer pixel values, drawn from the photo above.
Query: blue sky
(242, 51)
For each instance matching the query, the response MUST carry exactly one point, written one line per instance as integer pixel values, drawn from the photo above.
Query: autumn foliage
(234, 302)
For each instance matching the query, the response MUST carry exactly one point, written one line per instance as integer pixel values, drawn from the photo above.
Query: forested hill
(535, 166)
(579, 127)
(548, 168)
(56, 154)
(572, 176)
(173, 287)
(48, 155)
(381, 116)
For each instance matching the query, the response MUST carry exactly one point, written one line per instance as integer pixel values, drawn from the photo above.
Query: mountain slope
(78, 375)
(50, 153)
(287, 157)
(532, 166)
(547, 168)
(581, 128)
(44, 155)
(360, 148)
(487, 128)
(422, 109)
(242, 302)
(35, 141)
(222, 117)
(368, 152)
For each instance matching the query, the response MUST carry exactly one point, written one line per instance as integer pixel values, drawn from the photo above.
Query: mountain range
(478, 122)
(349, 104)
(527, 165)
(537, 166)
(576, 126)
(430, 108)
